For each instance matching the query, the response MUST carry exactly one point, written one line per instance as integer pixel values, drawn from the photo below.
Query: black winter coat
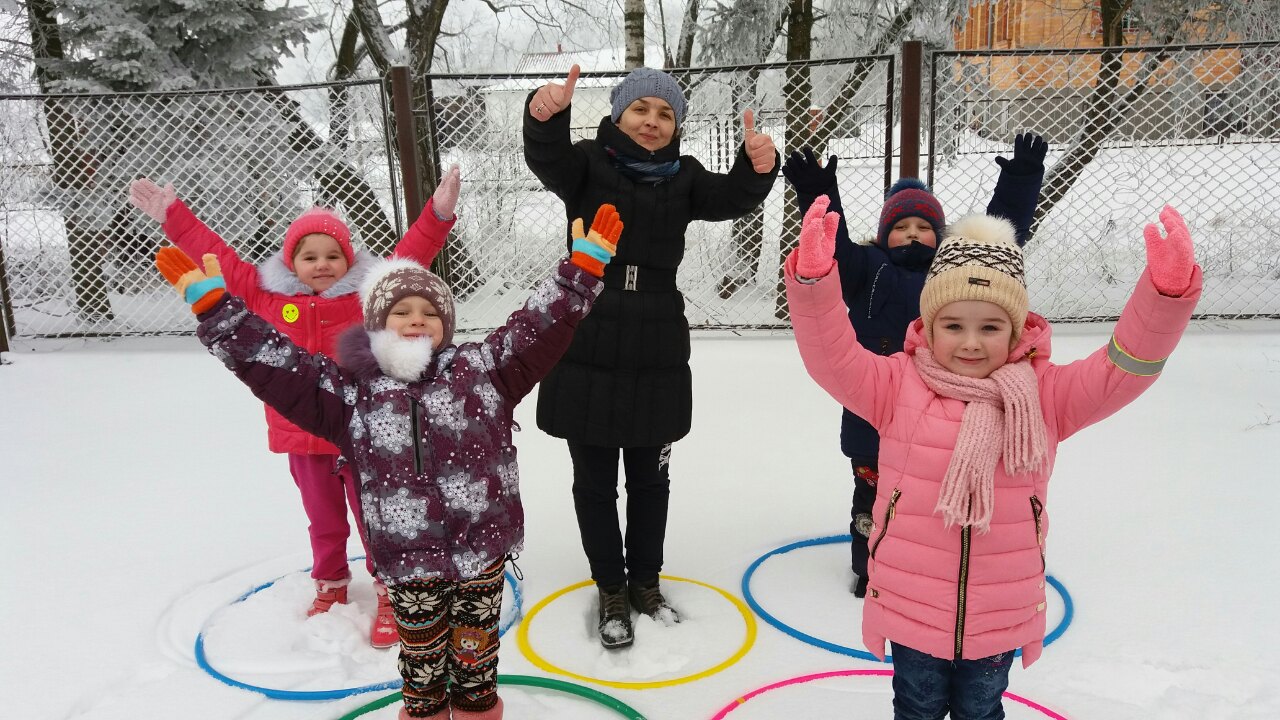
(625, 381)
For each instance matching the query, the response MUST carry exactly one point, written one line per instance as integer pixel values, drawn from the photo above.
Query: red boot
(328, 593)
(493, 713)
(384, 633)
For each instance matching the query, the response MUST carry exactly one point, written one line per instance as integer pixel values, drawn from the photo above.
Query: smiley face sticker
(289, 312)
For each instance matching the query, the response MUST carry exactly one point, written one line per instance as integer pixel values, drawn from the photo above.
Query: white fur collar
(404, 359)
(275, 277)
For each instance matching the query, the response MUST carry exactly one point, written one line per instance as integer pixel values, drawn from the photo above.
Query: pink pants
(325, 496)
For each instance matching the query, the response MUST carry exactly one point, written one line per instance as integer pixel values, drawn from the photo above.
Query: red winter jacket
(311, 321)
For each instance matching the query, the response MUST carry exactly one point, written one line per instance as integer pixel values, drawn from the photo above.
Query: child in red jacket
(309, 290)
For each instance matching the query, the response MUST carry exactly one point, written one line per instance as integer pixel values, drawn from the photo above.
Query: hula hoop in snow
(1067, 615)
(846, 673)
(568, 688)
(522, 639)
(202, 659)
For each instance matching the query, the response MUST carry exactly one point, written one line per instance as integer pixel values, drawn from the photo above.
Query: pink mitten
(815, 256)
(445, 199)
(152, 199)
(1170, 258)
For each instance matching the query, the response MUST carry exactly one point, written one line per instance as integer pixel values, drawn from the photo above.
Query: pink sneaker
(384, 633)
(328, 593)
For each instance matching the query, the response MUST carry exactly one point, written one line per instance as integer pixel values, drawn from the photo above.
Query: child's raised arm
(1149, 328)
(1017, 190)
(191, 235)
(308, 390)
(426, 237)
(810, 179)
(535, 337)
(857, 378)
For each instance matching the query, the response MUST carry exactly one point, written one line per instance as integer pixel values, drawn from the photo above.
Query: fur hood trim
(383, 352)
(275, 277)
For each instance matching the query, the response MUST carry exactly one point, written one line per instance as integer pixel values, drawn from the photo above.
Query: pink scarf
(1001, 417)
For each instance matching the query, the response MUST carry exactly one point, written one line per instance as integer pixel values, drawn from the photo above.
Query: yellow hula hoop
(522, 639)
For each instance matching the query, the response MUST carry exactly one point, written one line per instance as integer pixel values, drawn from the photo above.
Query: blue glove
(1028, 155)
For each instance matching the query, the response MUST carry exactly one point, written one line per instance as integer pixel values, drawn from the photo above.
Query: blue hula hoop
(517, 599)
(1067, 615)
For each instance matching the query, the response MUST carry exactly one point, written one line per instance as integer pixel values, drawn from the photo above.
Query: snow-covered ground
(140, 502)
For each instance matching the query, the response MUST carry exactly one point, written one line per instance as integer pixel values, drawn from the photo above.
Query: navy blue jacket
(882, 287)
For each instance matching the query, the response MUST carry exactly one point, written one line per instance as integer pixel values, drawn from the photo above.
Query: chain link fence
(511, 230)
(1197, 127)
(77, 259)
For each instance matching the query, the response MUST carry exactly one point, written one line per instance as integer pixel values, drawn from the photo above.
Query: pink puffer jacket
(952, 592)
(275, 294)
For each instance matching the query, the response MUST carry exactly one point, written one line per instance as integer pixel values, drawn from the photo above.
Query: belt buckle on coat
(632, 273)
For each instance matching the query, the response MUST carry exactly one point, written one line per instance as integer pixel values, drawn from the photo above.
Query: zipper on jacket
(888, 515)
(1037, 508)
(965, 536)
(417, 435)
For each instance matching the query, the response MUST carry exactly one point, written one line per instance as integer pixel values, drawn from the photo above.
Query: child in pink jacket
(309, 290)
(970, 415)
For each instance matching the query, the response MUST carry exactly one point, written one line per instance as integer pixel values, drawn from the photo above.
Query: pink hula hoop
(847, 673)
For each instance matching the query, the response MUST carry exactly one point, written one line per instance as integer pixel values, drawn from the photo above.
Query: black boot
(615, 618)
(860, 586)
(647, 598)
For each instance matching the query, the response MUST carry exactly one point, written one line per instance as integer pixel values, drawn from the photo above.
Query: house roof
(558, 63)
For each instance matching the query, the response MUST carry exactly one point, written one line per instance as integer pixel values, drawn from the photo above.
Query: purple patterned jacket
(439, 488)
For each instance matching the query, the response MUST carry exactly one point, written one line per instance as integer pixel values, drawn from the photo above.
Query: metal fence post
(407, 142)
(909, 148)
(7, 326)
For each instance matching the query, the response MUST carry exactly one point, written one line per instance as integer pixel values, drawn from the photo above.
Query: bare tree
(633, 24)
(1161, 22)
(688, 31)
(71, 170)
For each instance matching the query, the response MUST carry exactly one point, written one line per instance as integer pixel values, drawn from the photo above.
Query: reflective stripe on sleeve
(1131, 364)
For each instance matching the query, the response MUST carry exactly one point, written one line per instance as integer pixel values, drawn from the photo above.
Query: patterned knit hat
(317, 220)
(647, 82)
(390, 281)
(979, 259)
(909, 198)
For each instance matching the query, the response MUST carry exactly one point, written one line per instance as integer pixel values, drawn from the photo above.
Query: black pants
(864, 499)
(595, 499)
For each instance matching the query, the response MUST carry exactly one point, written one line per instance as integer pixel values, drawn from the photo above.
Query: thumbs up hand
(760, 149)
(553, 97)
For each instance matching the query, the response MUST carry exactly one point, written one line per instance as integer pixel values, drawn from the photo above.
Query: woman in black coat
(625, 382)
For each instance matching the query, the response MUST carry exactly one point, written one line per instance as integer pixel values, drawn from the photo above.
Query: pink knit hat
(317, 220)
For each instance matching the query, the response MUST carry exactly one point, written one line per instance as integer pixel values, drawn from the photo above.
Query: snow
(140, 502)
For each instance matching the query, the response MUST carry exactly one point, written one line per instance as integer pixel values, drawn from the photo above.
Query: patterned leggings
(449, 641)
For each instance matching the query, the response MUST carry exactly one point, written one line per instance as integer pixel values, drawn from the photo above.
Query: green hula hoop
(569, 688)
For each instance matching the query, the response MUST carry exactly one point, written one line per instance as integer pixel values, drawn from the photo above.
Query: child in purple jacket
(426, 425)
(308, 291)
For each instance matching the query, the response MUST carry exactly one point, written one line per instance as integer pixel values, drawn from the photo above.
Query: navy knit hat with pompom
(909, 197)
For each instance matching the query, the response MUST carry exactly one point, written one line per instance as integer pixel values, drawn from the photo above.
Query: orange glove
(593, 250)
(200, 289)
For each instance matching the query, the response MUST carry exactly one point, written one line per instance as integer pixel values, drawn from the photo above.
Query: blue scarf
(643, 171)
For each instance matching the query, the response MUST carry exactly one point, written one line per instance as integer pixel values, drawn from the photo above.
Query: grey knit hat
(647, 82)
